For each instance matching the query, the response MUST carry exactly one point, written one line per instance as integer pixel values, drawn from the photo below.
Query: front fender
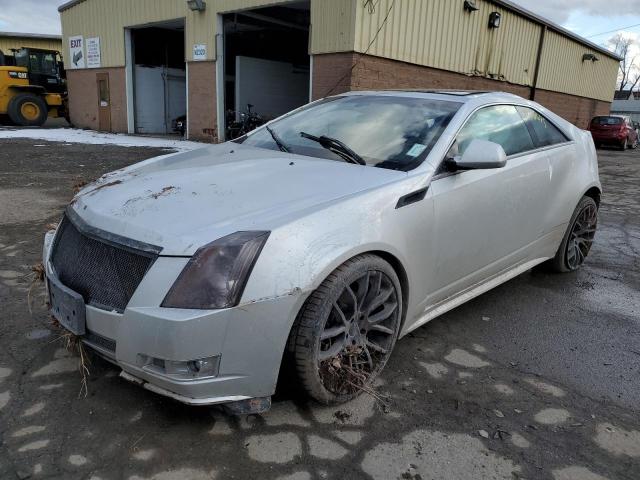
(301, 254)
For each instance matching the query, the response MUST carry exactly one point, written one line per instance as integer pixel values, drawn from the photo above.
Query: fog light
(181, 370)
(204, 367)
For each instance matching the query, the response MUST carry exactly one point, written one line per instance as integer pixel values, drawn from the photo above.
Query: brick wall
(335, 73)
(202, 122)
(83, 98)
(332, 74)
(577, 110)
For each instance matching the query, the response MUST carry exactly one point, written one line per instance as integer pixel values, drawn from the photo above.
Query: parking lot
(536, 379)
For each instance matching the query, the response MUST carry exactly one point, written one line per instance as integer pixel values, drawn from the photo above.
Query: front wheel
(578, 238)
(27, 110)
(347, 329)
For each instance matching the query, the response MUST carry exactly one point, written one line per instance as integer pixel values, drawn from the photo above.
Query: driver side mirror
(481, 154)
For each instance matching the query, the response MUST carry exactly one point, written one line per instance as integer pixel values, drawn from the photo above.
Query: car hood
(183, 201)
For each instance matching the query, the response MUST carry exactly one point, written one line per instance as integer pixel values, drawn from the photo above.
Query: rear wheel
(578, 238)
(347, 329)
(634, 144)
(623, 145)
(27, 110)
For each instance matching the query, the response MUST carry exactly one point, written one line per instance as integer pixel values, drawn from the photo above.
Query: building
(136, 65)
(627, 95)
(628, 108)
(10, 40)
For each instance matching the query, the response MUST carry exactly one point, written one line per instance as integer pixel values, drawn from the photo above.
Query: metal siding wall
(434, 33)
(107, 20)
(332, 22)
(7, 43)
(562, 69)
(440, 34)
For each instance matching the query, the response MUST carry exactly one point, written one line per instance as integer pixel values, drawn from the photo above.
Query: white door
(487, 220)
(562, 155)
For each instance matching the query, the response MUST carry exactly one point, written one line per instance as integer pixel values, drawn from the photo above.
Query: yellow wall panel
(332, 23)
(440, 34)
(434, 33)
(562, 69)
(7, 43)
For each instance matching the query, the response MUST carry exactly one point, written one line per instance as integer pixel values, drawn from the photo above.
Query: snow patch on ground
(91, 137)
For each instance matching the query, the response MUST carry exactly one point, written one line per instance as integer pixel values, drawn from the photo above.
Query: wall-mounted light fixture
(494, 20)
(470, 6)
(196, 5)
(589, 57)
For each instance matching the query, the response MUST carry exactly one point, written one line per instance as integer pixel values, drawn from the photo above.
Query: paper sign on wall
(93, 52)
(199, 52)
(76, 52)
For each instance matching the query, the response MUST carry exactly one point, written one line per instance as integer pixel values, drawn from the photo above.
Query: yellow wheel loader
(32, 86)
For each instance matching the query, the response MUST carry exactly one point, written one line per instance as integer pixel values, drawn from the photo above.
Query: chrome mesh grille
(104, 273)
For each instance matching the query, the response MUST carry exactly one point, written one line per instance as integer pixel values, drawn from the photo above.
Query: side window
(34, 65)
(500, 124)
(545, 132)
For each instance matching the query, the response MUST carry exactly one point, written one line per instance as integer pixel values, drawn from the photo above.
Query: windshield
(607, 121)
(384, 131)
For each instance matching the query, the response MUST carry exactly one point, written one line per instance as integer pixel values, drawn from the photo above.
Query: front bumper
(248, 339)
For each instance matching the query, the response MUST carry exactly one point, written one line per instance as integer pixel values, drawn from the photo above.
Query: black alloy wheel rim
(359, 333)
(581, 237)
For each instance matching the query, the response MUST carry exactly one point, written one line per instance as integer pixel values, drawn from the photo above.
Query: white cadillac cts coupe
(317, 240)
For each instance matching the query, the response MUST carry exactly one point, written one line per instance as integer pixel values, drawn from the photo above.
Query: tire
(623, 145)
(578, 238)
(332, 366)
(28, 110)
(634, 144)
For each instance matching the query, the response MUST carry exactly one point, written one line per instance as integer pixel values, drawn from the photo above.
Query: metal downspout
(536, 72)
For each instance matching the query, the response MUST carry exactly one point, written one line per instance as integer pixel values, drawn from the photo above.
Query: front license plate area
(67, 306)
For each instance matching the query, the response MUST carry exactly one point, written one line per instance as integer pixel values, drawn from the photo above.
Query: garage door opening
(159, 76)
(267, 63)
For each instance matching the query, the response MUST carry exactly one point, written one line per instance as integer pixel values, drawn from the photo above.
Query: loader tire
(28, 110)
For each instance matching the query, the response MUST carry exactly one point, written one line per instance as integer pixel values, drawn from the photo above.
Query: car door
(485, 220)
(562, 156)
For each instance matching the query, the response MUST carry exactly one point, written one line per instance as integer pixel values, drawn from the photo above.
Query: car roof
(444, 94)
(457, 93)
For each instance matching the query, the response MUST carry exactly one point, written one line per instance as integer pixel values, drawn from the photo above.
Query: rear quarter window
(543, 132)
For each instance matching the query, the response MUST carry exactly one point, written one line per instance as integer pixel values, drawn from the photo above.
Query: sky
(588, 18)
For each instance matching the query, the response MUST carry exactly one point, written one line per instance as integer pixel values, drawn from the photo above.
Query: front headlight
(217, 273)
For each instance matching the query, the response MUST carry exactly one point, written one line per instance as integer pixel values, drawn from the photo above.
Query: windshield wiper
(276, 138)
(337, 147)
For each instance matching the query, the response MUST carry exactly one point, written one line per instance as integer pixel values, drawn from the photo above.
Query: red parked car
(613, 130)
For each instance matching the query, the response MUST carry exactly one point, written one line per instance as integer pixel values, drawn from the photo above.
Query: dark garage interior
(159, 76)
(267, 60)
